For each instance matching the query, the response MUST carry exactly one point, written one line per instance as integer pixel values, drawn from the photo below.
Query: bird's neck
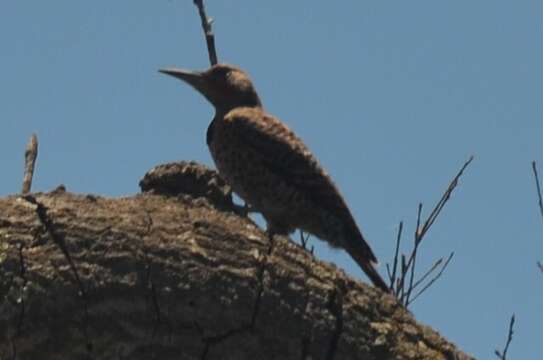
(221, 111)
(229, 102)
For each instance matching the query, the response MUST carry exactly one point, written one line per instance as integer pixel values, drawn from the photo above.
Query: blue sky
(392, 97)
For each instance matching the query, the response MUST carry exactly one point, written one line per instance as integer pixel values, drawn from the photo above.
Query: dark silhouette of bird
(268, 166)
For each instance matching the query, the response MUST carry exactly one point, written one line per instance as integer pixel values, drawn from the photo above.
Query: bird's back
(274, 171)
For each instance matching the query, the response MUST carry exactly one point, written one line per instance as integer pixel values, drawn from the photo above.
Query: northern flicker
(268, 166)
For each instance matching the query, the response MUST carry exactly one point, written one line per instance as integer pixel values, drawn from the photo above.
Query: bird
(271, 168)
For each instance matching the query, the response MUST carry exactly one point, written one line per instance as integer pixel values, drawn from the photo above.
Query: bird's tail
(369, 269)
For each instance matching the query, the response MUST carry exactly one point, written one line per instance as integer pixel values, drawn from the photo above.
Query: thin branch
(540, 199)
(396, 252)
(418, 239)
(401, 280)
(208, 32)
(538, 185)
(389, 274)
(432, 268)
(31, 153)
(406, 283)
(503, 355)
(431, 282)
(441, 203)
(418, 234)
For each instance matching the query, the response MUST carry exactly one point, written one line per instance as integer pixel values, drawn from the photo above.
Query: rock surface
(177, 277)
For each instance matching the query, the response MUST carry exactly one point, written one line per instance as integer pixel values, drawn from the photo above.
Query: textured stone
(157, 277)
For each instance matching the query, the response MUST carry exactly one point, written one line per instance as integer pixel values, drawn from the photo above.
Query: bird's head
(224, 86)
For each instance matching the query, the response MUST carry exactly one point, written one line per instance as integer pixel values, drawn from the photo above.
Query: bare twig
(538, 186)
(208, 32)
(418, 239)
(31, 153)
(405, 283)
(432, 268)
(402, 278)
(392, 276)
(441, 203)
(503, 355)
(540, 199)
(431, 282)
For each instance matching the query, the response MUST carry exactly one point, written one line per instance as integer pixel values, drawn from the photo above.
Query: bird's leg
(247, 209)
(272, 230)
(270, 233)
(304, 240)
(244, 210)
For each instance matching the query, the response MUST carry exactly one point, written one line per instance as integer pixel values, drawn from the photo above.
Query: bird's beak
(193, 78)
(197, 79)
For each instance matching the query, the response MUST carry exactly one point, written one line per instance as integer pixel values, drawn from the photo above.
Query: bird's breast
(227, 154)
(209, 133)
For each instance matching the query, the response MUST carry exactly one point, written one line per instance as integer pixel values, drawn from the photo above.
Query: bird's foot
(244, 210)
